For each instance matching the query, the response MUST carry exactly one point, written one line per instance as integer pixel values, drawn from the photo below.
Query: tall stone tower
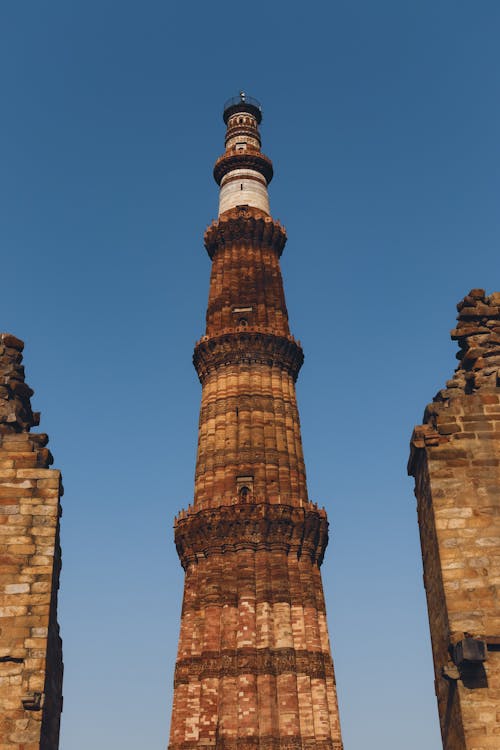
(455, 459)
(254, 668)
(30, 560)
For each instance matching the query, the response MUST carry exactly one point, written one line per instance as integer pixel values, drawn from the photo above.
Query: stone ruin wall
(455, 460)
(30, 560)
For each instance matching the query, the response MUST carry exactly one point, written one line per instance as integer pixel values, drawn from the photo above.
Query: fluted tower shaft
(254, 668)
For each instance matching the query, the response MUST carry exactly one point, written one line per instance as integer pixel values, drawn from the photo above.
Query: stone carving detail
(15, 405)
(252, 347)
(245, 224)
(266, 742)
(314, 664)
(298, 531)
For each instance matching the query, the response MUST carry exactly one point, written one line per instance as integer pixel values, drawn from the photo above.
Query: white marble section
(243, 187)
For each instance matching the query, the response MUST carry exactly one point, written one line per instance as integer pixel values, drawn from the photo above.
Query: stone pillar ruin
(30, 560)
(455, 460)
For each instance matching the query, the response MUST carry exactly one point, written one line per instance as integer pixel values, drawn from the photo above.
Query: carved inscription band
(231, 663)
(267, 742)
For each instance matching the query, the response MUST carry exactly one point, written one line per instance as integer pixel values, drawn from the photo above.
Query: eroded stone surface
(455, 459)
(30, 560)
(15, 394)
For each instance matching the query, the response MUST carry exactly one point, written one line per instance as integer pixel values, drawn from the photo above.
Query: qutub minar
(254, 668)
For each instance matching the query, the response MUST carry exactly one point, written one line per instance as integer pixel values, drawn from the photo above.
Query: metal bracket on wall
(469, 652)
(33, 701)
(450, 673)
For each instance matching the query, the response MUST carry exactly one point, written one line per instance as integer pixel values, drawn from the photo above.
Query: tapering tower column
(254, 668)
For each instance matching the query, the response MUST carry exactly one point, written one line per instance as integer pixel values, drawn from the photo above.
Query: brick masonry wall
(455, 459)
(30, 559)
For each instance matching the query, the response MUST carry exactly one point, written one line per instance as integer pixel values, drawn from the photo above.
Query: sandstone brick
(457, 498)
(29, 559)
(16, 588)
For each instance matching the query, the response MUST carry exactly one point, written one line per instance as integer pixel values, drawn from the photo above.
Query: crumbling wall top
(478, 336)
(16, 414)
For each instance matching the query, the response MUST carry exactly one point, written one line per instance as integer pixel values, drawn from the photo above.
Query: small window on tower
(244, 487)
(243, 322)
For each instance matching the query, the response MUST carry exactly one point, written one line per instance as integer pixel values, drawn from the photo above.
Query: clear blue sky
(382, 119)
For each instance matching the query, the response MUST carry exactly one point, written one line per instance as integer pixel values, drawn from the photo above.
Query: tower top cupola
(243, 172)
(242, 103)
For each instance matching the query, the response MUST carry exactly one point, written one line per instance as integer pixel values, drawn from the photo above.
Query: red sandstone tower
(254, 668)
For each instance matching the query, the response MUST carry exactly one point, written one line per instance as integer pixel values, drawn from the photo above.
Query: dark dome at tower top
(242, 103)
